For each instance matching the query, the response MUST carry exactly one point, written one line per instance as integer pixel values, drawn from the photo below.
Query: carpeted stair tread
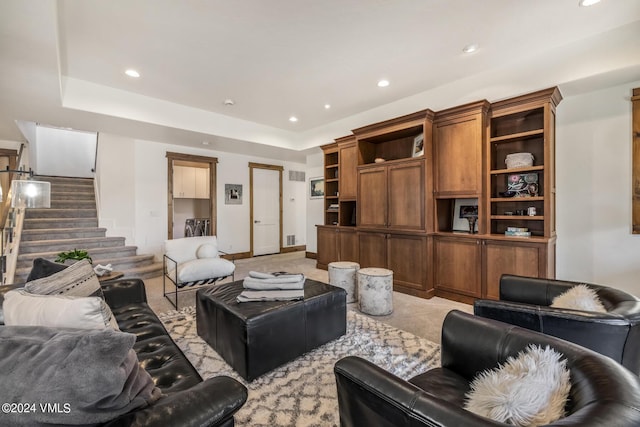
(72, 195)
(69, 244)
(62, 233)
(99, 255)
(39, 223)
(73, 204)
(128, 264)
(144, 272)
(60, 213)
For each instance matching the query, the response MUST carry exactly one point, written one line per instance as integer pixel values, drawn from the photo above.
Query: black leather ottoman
(256, 337)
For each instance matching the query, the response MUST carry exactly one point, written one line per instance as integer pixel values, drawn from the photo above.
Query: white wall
(116, 193)
(593, 168)
(315, 207)
(133, 193)
(62, 152)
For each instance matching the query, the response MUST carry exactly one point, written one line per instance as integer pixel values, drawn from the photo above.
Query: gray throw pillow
(78, 280)
(92, 375)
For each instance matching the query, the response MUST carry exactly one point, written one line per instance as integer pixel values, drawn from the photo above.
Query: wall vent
(291, 239)
(296, 176)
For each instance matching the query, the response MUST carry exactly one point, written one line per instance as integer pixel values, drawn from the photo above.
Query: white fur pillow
(528, 390)
(580, 297)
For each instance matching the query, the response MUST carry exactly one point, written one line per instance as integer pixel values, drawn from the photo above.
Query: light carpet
(303, 391)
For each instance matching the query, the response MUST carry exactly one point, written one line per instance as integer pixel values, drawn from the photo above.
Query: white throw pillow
(580, 297)
(57, 311)
(202, 269)
(207, 250)
(528, 390)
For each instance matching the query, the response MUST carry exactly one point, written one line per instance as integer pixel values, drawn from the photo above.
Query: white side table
(375, 291)
(343, 275)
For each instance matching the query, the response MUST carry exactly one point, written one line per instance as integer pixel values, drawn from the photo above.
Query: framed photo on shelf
(463, 209)
(316, 188)
(418, 146)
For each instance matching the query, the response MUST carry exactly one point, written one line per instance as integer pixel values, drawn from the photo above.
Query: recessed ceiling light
(293, 119)
(383, 83)
(586, 3)
(132, 73)
(470, 48)
(229, 102)
(205, 142)
(327, 106)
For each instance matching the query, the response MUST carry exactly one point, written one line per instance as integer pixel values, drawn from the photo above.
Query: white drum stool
(343, 275)
(375, 291)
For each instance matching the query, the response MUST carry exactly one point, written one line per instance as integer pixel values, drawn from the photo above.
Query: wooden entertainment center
(399, 195)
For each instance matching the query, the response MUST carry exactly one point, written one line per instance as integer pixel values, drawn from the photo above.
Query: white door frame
(270, 167)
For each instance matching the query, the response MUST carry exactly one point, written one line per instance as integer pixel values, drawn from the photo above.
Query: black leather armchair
(602, 393)
(525, 301)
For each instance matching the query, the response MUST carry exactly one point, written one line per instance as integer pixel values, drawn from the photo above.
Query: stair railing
(11, 220)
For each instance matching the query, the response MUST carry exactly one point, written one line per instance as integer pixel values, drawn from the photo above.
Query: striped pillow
(78, 280)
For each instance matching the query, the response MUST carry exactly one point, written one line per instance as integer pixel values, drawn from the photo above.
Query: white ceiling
(63, 63)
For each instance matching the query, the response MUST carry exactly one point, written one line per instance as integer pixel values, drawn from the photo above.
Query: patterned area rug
(303, 391)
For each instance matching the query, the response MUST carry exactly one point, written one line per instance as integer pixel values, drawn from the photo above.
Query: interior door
(266, 211)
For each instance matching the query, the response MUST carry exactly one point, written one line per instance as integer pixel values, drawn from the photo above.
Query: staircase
(72, 223)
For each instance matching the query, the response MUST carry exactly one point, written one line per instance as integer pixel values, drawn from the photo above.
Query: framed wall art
(233, 194)
(316, 187)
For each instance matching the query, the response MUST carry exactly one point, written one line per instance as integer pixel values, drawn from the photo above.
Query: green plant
(77, 254)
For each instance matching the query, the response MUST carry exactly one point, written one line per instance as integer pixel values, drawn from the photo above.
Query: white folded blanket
(275, 281)
(286, 295)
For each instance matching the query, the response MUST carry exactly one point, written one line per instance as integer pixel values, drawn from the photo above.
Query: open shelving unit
(523, 125)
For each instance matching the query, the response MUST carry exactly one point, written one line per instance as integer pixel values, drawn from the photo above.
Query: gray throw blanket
(273, 281)
(272, 287)
(85, 376)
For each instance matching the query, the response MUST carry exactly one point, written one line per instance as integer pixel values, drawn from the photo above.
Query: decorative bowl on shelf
(379, 160)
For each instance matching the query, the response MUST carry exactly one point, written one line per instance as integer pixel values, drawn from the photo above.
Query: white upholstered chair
(193, 261)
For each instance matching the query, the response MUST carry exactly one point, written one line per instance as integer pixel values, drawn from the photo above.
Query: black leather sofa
(602, 393)
(187, 400)
(524, 301)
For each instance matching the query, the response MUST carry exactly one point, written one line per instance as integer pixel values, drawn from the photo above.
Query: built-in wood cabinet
(417, 179)
(457, 266)
(190, 182)
(468, 267)
(522, 196)
(336, 244)
(348, 155)
(458, 137)
(404, 254)
(501, 255)
(391, 195)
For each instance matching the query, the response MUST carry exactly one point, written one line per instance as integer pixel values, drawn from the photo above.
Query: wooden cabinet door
(502, 257)
(372, 197)
(348, 171)
(327, 246)
(348, 245)
(406, 196)
(458, 156)
(458, 265)
(372, 249)
(406, 255)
